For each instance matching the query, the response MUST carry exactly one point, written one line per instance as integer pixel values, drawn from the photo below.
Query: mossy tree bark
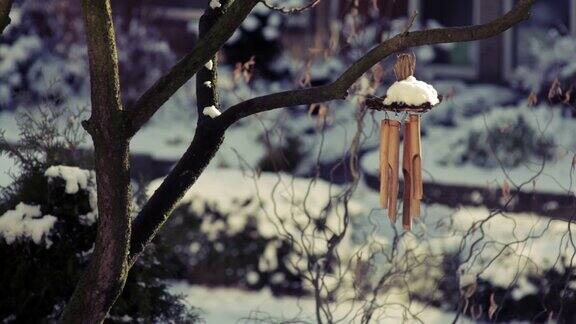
(103, 280)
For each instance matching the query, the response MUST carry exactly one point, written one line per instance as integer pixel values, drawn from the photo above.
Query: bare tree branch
(5, 7)
(207, 77)
(338, 89)
(187, 67)
(204, 145)
(158, 208)
(209, 135)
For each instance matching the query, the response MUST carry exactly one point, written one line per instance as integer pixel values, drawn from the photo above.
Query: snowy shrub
(282, 158)
(48, 220)
(463, 101)
(48, 241)
(258, 37)
(506, 140)
(43, 55)
(548, 59)
(144, 57)
(269, 230)
(509, 267)
(33, 67)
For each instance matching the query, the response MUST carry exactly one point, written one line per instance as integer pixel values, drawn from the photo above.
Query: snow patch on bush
(301, 212)
(74, 177)
(26, 221)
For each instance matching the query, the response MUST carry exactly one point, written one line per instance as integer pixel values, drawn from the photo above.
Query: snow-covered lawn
(227, 306)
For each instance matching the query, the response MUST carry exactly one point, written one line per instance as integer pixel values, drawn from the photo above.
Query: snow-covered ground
(505, 249)
(227, 306)
(539, 244)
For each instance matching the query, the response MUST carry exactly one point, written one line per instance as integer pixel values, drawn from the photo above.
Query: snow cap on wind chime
(410, 98)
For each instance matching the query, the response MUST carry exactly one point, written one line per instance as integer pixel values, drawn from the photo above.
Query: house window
(449, 13)
(455, 59)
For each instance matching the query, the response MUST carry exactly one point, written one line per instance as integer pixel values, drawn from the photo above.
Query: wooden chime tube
(389, 166)
(407, 172)
(412, 170)
(384, 170)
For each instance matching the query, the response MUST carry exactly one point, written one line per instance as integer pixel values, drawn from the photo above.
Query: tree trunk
(103, 280)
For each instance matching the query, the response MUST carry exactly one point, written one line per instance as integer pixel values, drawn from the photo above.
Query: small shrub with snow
(507, 141)
(258, 37)
(547, 60)
(48, 240)
(43, 55)
(48, 220)
(512, 267)
(269, 230)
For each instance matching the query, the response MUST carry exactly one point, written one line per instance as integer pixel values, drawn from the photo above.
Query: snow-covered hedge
(238, 229)
(506, 137)
(43, 55)
(499, 265)
(47, 238)
(548, 59)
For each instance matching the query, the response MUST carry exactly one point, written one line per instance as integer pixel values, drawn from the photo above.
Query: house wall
(491, 63)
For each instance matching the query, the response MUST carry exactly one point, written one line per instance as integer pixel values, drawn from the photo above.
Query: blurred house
(491, 60)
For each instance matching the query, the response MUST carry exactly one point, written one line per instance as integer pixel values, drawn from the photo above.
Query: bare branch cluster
(121, 240)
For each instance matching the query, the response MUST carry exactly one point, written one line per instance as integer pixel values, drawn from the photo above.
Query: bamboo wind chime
(409, 98)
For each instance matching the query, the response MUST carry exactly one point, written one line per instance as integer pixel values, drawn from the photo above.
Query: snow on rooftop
(26, 221)
(411, 92)
(74, 177)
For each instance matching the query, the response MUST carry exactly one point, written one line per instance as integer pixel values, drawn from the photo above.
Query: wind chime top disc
(407, 94)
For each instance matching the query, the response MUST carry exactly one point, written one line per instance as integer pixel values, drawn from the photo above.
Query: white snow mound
(411, 91)
(75, 177)
(26, 221)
